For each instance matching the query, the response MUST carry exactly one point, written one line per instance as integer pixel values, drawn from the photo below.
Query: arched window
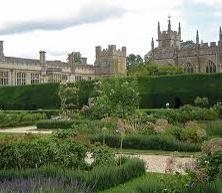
(211, 67)
(189, 68)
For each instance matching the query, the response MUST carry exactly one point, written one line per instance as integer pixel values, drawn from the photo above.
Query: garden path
(163, 163)
(30, 129)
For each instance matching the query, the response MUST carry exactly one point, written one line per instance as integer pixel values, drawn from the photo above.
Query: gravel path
(30, 129)
(162, 164)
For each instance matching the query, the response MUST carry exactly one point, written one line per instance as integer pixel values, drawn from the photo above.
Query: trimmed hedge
(29, 97)
(146, 142)
(54, 124)
(155, 92)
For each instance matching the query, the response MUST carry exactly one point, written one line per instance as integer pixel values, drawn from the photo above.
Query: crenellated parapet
(110, 51)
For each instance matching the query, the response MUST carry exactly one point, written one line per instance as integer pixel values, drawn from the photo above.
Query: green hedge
(146, 142)
(30, 97)
(157, 91)
(54, 124)
(154, 92)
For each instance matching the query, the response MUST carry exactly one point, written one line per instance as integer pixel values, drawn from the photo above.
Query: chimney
(1, 49)
(42, 57)
(124, 51)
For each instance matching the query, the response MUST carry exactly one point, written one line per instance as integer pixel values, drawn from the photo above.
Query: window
(35, 78)
(21, 78)
(189, 68)
(211, 67)
(78, 78)
(4, 78)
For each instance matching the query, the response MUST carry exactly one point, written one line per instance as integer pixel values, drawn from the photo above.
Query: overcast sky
(63, 26)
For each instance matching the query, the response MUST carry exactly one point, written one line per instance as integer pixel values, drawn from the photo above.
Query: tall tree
(133, 60)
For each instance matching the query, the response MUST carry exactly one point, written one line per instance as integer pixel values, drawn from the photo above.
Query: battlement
(110, 51)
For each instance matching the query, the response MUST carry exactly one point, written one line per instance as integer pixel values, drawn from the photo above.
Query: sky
(63, 26)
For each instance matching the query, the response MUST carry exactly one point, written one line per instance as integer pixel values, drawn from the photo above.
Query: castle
(22, 71)
(192, 57)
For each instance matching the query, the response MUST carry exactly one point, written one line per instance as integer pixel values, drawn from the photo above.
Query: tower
(197, 38)
(169, 39)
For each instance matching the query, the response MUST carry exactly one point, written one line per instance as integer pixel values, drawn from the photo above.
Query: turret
(169, 25)
(220, 35)
(159, 32)
(197, 38)
(179, 30)
(42, 59)
(152, 44)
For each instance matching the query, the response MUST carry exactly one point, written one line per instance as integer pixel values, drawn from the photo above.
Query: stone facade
(193, 57)
(22, 71)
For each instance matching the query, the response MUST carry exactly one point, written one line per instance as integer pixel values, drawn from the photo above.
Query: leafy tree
(117, 96)
(69, 96)
(133, 60)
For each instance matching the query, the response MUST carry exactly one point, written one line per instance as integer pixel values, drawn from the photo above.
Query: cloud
(91, 13)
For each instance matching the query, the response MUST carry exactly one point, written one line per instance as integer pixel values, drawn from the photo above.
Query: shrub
(201, 102)
(212, 163)
(102, 155)
(193, 133)
(39, 152)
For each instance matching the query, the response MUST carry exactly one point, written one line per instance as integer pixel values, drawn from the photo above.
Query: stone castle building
(22, 71)
(193, 57)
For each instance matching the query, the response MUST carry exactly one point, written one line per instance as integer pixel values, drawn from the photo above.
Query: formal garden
(97, 124)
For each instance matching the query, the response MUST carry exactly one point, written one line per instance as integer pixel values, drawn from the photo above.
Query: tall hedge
(157, 91)
(29, 97)
(154, 92)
